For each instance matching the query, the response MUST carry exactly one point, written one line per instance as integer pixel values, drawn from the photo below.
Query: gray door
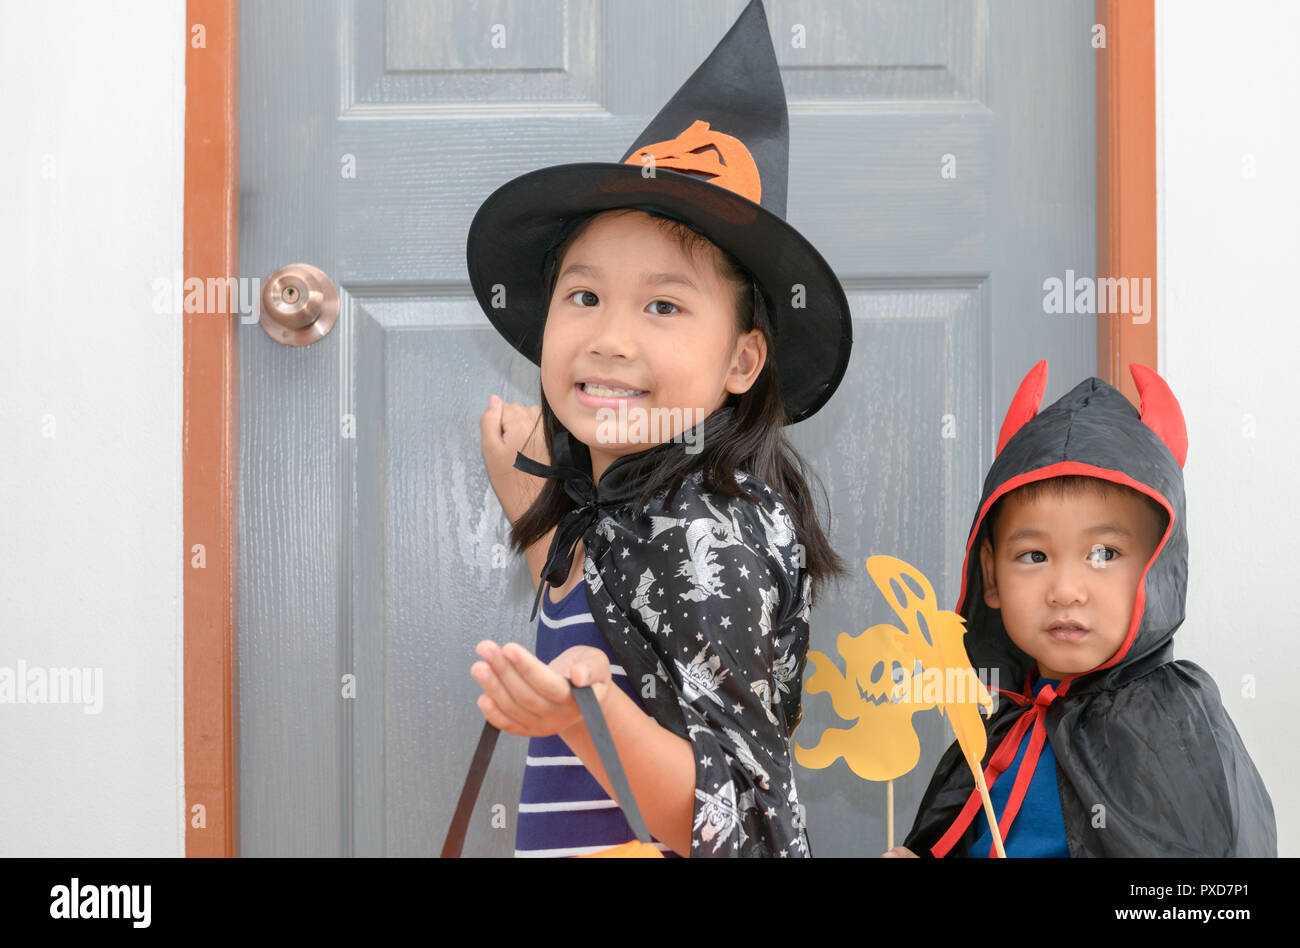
(942, 159)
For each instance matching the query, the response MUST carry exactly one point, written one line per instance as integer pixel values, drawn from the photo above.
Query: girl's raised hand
(900, 851)
(526, 697)
(507, 428)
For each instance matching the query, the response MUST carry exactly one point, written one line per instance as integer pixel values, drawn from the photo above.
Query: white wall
(1228, 84)
(91, 176)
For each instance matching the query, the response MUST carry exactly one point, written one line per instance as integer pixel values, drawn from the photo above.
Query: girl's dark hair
(752, 439)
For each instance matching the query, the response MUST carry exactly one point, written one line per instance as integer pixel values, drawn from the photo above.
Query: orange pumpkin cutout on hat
(729, 164)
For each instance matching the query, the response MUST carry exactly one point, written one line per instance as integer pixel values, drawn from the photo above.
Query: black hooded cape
(1148, 762)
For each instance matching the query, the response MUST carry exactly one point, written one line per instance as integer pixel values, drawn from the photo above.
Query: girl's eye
(1038, 553)
(663, 303)
(584, 294)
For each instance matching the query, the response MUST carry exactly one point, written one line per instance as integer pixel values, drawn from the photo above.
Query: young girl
(679, 323)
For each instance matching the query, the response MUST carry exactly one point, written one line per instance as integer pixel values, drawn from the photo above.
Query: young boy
(1074, 583)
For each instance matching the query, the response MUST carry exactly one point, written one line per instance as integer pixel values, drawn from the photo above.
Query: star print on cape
(705, 603)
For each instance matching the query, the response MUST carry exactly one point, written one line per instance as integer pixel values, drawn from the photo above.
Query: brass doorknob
(299, 305)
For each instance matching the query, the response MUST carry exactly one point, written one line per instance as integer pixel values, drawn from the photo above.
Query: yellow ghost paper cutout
(883, 744)
(875, 690)
(934, 636)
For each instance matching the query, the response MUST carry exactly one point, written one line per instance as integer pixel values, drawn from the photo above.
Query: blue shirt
(1039, 827)
(563, 811)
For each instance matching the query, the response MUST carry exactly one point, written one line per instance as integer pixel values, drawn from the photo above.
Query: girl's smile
(605, 393)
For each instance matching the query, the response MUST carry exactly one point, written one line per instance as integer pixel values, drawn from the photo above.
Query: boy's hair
(752, 440)
(1073, 484)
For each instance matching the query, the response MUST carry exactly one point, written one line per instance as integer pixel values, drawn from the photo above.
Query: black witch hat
(715, 157)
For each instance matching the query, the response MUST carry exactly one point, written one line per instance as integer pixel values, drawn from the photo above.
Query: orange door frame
(1126, 181)
(211, 426)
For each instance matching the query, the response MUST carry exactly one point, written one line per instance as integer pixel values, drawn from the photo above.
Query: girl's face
(640, 339)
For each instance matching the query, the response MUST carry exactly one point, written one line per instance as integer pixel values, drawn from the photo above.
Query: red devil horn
(1160, 410)
(1025, 405)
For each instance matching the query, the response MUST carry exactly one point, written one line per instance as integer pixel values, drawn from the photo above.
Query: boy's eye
(1033, 553)
(1101, 555)
(584, 294)
(662, 303)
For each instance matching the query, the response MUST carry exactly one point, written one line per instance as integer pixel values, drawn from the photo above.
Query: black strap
(601, 739)
(604, 744)
(469, 793)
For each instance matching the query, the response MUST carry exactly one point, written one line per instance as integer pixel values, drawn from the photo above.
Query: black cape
(1148, 762)
(704, 601)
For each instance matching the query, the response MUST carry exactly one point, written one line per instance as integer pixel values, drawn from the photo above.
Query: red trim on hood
(1088, 470)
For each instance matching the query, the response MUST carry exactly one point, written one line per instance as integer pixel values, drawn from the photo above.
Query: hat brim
(517, 224)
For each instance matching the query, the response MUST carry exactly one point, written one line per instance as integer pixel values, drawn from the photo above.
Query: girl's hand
(507, 429)
(525, 697)
(584, 665)
(901, 851)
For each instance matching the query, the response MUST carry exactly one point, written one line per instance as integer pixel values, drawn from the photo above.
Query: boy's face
(631, 308)
(1064, 570)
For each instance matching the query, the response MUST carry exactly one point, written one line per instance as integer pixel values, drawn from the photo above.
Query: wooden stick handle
(988, 810)
(889, 814)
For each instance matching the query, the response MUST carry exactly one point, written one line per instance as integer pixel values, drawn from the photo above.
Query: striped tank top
(563, 811)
